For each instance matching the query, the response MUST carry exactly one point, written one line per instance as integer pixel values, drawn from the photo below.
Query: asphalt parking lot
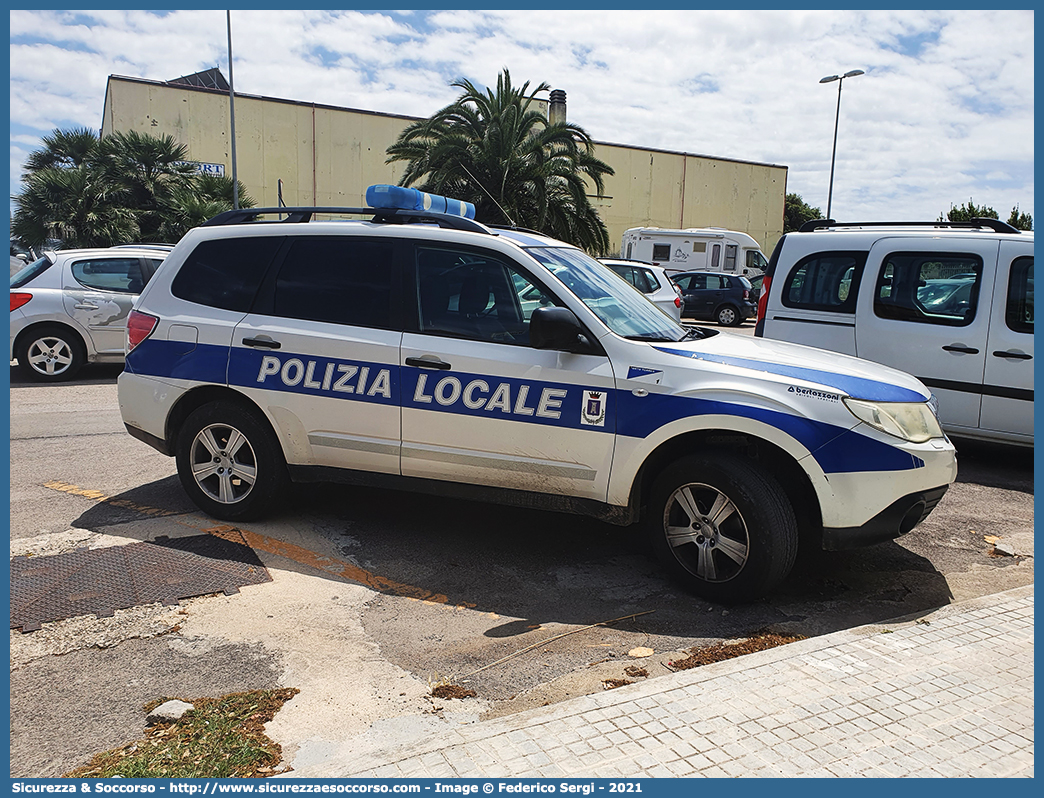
(377, 596)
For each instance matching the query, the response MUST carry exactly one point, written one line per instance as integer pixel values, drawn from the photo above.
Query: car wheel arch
(779, 463)
(81, 336)
(196, 398)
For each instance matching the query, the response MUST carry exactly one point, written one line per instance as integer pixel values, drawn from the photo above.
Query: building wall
(328, 156)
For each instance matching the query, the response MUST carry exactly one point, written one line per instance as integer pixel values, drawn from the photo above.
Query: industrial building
(313, 154)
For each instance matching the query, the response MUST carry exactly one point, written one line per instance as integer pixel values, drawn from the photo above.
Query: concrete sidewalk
(947, 694)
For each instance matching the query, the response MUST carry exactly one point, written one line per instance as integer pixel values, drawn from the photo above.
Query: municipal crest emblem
(592, 411)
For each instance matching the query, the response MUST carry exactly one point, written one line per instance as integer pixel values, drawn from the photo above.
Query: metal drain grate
(101, 581)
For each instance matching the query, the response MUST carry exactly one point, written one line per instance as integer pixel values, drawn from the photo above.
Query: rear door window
(336, 279)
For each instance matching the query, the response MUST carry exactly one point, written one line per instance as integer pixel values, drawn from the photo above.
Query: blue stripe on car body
(836, 449)
(855, 387)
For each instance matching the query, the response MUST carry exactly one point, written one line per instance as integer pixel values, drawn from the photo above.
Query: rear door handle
(84, 306)
(427, 363)
(263, 343)
(964, 350)
(1013, 355)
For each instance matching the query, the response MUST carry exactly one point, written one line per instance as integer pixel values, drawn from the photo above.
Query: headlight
(914, 422)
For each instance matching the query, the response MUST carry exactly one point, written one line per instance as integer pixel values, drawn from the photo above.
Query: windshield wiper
(653, 337)
(694, 333)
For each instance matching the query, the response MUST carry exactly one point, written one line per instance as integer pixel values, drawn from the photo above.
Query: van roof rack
(380, 215)
(994, 224)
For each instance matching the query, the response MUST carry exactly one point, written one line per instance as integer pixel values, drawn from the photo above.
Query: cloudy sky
(943, 114)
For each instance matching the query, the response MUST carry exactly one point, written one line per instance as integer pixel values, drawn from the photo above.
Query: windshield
(620, 307)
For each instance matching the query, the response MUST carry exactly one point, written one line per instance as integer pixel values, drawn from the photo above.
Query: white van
(951, 303)
(711, 249)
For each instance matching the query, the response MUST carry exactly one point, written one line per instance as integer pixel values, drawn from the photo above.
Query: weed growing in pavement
(219, 738)
(722, 651)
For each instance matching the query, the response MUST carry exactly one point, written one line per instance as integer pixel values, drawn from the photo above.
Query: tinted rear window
(342, 280)
(225, 273)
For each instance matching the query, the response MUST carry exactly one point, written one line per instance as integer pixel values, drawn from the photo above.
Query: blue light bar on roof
(410, 199)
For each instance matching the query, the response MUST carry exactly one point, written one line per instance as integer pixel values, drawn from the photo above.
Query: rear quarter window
(225, 273)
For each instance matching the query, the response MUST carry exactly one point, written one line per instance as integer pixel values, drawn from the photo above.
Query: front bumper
(897, 519)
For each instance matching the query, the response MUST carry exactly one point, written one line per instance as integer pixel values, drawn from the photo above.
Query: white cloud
(944, 112)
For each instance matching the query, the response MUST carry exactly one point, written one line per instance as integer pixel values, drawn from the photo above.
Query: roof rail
(994, 224)
(381, 215)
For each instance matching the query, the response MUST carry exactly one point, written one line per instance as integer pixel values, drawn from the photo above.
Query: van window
(1019, 310)
(716, 256)
(755, 260)
(929, 288)
(340, 280)
(730, 257)
(825, 281)
(661, 252)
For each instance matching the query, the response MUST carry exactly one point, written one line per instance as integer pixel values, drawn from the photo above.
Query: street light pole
(837, 116)
(232, 114)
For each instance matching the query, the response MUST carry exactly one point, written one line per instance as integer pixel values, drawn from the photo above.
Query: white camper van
(713, 249)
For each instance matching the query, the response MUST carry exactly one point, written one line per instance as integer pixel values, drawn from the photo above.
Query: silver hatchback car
(652, 281)
(70, 307)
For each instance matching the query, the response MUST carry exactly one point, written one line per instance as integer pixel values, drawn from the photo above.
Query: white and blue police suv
(422, 350)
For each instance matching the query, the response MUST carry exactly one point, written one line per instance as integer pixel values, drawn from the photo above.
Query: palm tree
(93, 192)
(496, 151)
(189, 206)
(146, 172)
(64, 197)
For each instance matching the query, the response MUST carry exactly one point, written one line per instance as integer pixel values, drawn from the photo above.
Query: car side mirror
(556, 328)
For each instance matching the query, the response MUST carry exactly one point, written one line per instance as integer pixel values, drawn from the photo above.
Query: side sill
(620, 516)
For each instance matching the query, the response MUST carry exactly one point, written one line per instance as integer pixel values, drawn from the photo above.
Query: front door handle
(427, 363)
(964, 350)
(1013, 355)
(263, 343)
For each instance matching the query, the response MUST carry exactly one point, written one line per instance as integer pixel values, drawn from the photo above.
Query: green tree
(497, 151)
(128, 187)
(1020, 221)
(796, 212)
(967, 212)
(203, 198)
(63, 196)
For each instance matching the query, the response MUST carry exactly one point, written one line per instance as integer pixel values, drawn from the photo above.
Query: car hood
(851, 376)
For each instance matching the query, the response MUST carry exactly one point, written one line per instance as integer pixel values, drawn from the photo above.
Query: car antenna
(510, 220)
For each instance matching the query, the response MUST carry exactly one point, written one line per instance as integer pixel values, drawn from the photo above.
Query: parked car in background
(652, 281)
(70, 307)
(951, 303)
(724, 298)
(755, 287)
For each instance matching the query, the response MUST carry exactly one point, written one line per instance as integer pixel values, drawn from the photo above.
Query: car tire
(728, 316)
(230, 462)
(722, 527)
(50, 353)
